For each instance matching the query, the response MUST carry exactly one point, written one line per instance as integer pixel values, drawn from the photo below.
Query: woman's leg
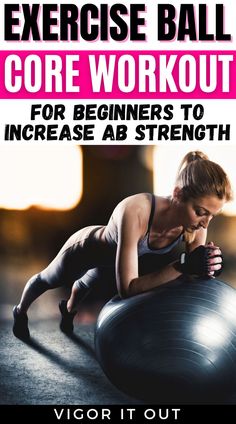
(63, 270)
(80, 290)
(33, 289)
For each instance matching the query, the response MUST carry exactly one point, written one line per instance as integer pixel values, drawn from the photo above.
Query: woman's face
(197, 213)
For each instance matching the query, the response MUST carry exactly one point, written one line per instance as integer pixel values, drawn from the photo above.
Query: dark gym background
(29, 239)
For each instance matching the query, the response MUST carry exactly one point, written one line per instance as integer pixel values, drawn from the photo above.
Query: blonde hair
(198, 176)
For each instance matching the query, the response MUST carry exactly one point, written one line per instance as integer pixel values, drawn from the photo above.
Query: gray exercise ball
(174, 343)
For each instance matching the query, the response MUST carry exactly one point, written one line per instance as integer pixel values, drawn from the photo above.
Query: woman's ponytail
(191, 157)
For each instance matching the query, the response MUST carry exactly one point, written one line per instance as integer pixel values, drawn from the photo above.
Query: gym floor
(53, 368)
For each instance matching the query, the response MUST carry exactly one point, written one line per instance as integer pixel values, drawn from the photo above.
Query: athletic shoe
(20, 325)
(66, 324)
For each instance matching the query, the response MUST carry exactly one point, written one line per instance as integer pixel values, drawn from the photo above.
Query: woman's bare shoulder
(136, 203)
(134, 211)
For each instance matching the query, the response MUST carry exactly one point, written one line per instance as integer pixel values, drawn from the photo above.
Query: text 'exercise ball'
(175, 343)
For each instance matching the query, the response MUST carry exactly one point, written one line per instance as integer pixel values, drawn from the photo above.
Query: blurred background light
(41, 176)
(166, 161)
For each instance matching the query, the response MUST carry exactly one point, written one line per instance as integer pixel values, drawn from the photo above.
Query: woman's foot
(66, 324)
(20, 326)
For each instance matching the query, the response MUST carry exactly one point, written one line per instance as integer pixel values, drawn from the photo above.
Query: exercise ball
(176, 343)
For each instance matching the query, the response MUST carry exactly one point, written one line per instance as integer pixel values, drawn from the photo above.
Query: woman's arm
(129, 283)
(127, 252)
(155, 279)
(131, 228)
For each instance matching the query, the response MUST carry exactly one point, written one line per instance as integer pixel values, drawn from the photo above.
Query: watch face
(182, 258)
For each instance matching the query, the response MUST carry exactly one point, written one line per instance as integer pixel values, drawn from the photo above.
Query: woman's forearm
(155, 279)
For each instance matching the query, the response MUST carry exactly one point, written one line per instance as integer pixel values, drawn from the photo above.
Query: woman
(140, 224)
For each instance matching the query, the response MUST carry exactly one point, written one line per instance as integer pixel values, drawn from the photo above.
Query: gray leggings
(80, 261)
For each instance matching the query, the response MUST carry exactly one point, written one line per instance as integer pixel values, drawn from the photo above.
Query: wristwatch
(182, 258)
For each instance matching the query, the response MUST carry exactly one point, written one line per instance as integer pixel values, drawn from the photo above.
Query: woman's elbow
(124, 294)
(127, 291)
